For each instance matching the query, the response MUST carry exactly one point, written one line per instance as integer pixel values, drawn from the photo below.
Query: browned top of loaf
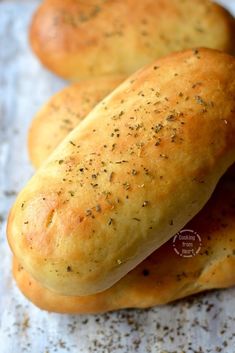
(79, 39)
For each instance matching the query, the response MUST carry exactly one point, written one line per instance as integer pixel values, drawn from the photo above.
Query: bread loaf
(165, 275)
(81, 39)
(62, 113)
(132, 174)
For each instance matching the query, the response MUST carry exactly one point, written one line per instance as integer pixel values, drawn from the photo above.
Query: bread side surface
(131, 175)
(83, 39)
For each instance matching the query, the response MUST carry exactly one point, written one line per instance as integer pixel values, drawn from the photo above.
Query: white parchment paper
(204, 323)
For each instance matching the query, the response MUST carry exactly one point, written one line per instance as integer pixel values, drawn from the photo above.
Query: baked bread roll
(62, 113)
(81, 39)
(132, 174)
(165, 275)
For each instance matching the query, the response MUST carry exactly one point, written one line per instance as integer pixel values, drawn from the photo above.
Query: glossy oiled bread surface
(133, 173)
(82, 39)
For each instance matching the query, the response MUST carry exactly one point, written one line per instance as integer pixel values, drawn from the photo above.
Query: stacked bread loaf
(84, 39)
(123, 170)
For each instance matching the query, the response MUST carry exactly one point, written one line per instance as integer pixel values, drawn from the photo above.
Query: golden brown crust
(164, 276)
(82, 39)
(142, 163)
(62, 113)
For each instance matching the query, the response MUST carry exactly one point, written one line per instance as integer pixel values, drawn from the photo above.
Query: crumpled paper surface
(204, 323)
